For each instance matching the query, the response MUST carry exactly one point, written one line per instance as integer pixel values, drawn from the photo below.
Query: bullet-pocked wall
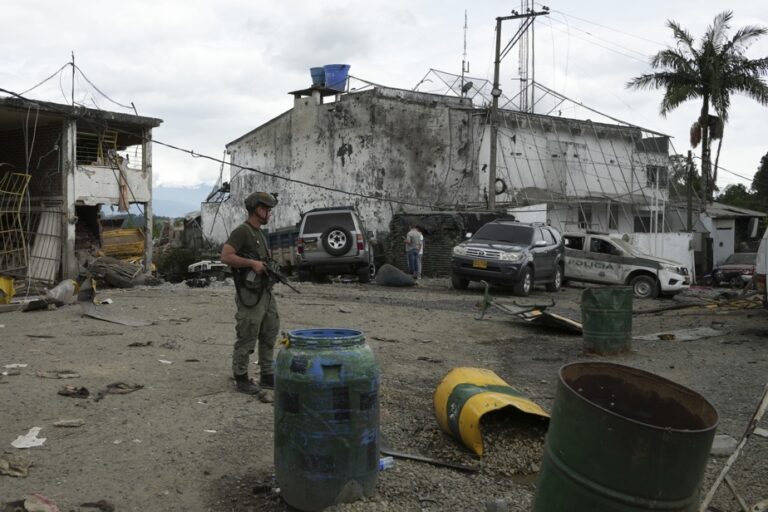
(378, 147)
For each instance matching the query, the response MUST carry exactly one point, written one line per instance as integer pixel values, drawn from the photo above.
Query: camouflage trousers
(260, 325)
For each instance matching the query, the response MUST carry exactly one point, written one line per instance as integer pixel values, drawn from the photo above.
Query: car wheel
(364, 274)
(458, 282)
(337, 241)
(557, 280)
(304, 274)
(524, 286)
(644, 287)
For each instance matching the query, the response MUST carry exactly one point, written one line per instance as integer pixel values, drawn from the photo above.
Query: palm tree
(711, 71)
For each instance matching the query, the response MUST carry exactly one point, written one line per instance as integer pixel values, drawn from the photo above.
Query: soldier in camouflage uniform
(257, 319)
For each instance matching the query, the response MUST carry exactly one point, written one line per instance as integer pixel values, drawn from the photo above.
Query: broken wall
(412, 147)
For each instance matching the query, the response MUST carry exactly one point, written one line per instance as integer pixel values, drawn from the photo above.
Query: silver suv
(334, 241)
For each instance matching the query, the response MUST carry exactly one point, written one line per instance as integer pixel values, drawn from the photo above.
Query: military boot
(244, 385)
(267, 381)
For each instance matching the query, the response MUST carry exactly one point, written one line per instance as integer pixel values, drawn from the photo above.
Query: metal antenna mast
(464, 61)
(522, 67)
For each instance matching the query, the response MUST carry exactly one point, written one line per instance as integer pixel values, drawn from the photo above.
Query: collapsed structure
(58, 165)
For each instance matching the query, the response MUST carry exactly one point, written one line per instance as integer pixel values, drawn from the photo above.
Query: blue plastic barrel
(326, 418)
(336, 76)
(318, 76)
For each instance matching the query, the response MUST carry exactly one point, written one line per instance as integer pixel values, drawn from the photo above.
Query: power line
(609, 28)
(645, 61)
(129, 107)
(46, 79)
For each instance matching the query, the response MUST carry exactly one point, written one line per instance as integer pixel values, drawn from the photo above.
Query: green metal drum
(326, 418)
(606, 316)
(622, 439)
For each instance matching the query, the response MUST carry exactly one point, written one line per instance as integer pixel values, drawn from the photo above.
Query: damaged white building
(385, 149)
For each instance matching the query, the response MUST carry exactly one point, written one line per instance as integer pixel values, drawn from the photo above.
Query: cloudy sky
(214, 70)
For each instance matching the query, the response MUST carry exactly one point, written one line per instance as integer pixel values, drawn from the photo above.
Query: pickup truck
(603, 259)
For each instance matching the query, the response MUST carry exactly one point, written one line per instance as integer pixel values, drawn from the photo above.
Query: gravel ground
(187, 441)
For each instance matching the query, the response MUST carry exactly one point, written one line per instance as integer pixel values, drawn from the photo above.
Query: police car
(602, 259)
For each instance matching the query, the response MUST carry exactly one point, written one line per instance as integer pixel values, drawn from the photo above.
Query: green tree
(710, 72)
(737, 195)
(760, 184)
(679, 177)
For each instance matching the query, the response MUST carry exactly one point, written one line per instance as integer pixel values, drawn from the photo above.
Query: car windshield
(629, 249)
(741, 258)
(322, 221)
(518, 235)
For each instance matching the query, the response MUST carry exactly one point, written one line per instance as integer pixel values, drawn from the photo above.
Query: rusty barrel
(622, 439)
(606, 316)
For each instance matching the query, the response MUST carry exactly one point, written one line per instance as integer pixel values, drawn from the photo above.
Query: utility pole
(496, 92)
(689, 165)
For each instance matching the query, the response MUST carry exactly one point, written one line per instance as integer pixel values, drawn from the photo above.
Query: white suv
(333, 241)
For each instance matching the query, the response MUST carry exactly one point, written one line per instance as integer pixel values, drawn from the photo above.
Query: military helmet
(260, 198)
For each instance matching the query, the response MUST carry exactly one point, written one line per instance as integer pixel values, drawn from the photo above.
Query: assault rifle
(270, 269)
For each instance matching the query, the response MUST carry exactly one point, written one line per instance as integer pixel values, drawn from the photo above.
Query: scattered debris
(193, 360)
(102, 505)
(16, 365)
(14, 465)
(389, 275)
(11, 373)
(171, 345)
(57, 374)
(165, 361)
(39, 503)
(69, 423)
(344, 310)
(63, 293)
(210, 431)
(481, 391)
(530, 313)
(40, 336)
(118, 388)
(74, 391)
(140, 344)
(429, 359)
(752, 428)
(29, 440)
(101, 313)
(497, 505)
(198, 282)
(429, 460)
(723, 446)
(117, 273)
(388, 340)
(514, 441)
(681, 335)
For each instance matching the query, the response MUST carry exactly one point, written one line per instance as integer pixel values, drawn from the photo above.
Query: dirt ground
(187, 441)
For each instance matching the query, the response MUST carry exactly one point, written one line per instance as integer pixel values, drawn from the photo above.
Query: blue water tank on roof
(336, 76)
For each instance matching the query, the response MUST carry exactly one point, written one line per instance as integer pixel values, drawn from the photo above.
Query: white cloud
(215, 70)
